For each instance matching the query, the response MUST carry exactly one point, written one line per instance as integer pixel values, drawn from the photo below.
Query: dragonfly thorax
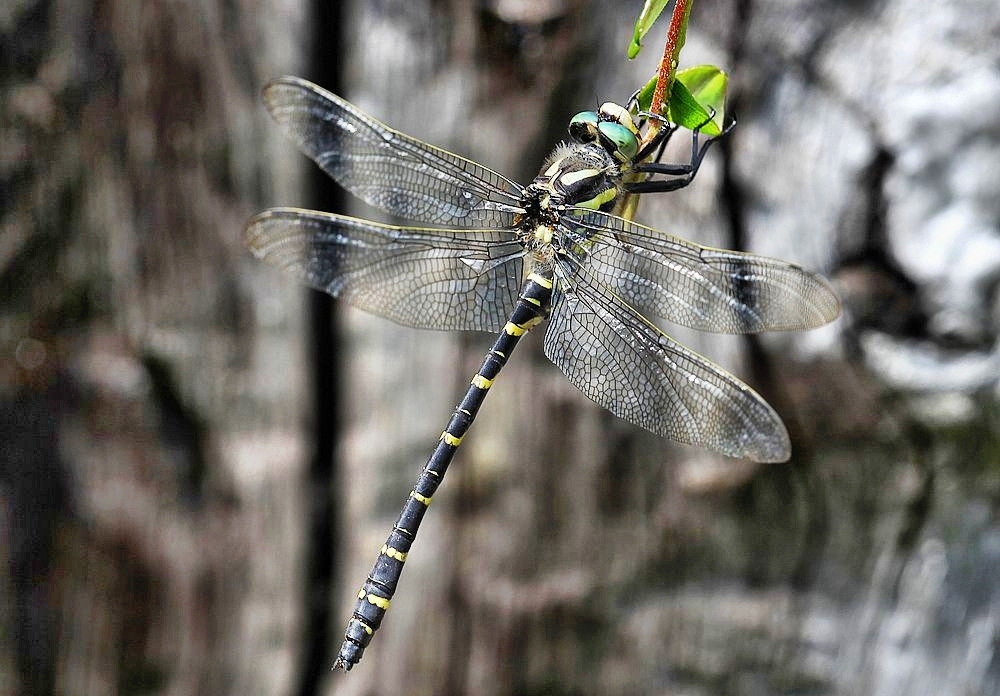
(580, 174)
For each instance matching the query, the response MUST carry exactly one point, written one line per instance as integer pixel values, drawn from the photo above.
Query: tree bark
(154, 485)
(152, 384)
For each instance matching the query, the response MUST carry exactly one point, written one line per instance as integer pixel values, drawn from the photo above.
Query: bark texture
(152, 383)
(154, 503)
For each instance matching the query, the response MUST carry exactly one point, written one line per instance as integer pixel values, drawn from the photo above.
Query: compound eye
(619, 140)
(583, 127)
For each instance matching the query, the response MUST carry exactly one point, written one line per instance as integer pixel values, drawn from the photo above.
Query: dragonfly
(494, 255)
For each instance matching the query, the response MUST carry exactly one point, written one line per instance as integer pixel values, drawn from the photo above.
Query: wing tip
(771, 446)
(253, 234)
(771, 454)
(279, 93)
(257, 234)
(829, 305)
(288, 81)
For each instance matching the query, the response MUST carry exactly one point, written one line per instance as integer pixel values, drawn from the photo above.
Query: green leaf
(650, 12)
(699, 93)
(707, 84)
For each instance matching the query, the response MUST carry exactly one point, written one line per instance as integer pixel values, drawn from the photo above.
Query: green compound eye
(619, 140)
(583, 127)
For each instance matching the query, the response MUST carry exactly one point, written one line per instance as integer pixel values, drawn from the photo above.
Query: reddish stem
(671, 53)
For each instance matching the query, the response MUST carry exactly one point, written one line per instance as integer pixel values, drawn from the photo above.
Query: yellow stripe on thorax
(541, 280)
(600, 199)
(570, 178)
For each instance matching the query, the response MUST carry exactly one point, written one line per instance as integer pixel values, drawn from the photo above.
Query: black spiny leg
(681, 174)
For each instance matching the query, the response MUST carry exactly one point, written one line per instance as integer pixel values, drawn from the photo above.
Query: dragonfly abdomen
(376, 593)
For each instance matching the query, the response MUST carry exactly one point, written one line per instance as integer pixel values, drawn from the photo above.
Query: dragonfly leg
(681, 175)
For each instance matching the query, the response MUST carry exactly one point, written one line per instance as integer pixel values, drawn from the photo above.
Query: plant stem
(676, 32)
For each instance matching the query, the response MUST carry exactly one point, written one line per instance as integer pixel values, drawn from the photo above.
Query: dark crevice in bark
(917, 510)
(873, 183)
(321, 524)
(181, 431)
(916, 514)
(319, 645)
(877, 292)
(801, 480)
(733, 198)
(36, 496)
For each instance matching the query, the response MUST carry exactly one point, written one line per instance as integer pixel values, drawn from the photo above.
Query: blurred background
(199, 460)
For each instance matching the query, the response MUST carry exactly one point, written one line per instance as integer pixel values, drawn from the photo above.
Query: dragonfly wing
(387, 169)
(630, 367)
(427, 278)
(703, 288)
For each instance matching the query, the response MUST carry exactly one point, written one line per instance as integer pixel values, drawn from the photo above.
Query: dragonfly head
(611, 126)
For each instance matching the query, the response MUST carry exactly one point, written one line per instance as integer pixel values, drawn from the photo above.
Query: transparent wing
(630, 367)
(703, 288)
(401, 175)
(427, 278)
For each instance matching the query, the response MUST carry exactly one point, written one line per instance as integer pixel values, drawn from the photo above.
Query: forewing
(703, 288)
(427, 278)
(640, 374)
(401, 175)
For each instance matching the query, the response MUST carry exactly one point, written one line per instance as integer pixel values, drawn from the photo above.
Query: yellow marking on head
(570, 178)
(450, 439)
(541, 280)
(513, 329)
(482, 382)
(420, 498)
(394, 553)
